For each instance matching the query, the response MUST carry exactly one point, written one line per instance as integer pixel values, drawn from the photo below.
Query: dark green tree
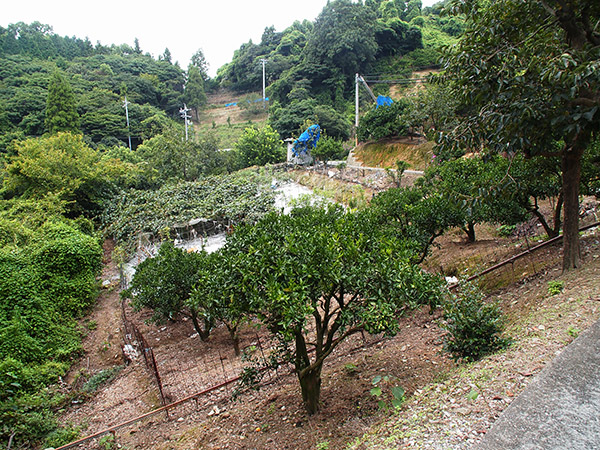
(61, 108)
(343, 37)
(194, 95)
(166, 56)
(199, 61)
(385, 122)
(525, 74)
(329, 149)
(260, 146)
(477, 191)
(164, 284)
(316, 276)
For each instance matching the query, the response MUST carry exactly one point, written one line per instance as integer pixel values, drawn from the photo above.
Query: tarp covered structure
(382, 100)
(307, 140)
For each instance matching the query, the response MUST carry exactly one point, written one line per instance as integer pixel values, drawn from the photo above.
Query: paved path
(560, 408)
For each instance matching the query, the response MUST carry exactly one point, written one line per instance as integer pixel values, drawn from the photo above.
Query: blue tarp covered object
(307, 140)
(382, 100)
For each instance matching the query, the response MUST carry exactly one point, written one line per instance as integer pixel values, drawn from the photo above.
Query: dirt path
(131, 393)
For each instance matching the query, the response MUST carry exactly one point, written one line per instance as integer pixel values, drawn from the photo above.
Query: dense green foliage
(99, 77)
(329, 149)
(172, 158)
(474, 327)
(260, 146)
(240, 197)
(164, 284)
(327, 270)
(46, 282)
(418, 215)
(384, 122)
(311, 65)
(61, 112)
(526, 77)
(64, 166)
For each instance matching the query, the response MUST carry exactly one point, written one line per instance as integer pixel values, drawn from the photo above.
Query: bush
(474, 327)
(384, 122)
(101, 378)
(260, 146)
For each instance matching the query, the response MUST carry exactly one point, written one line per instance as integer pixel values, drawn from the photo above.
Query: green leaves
(236, 198)
(474, 327)
(61, 113)
(385, 391)
(260, 146)
(385, 121)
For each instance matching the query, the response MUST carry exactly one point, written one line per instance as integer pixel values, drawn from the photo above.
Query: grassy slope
(227, 123)
(385, 154)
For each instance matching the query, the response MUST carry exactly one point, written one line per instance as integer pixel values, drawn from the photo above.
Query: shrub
(474, 327)
(101, 378)
(555, 287)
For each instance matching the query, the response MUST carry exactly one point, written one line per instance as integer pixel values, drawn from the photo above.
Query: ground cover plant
(227, 199)
(45, 284)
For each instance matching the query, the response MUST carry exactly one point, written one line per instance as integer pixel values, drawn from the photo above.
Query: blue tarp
(382, 100)
(307, 140)
(247, 101)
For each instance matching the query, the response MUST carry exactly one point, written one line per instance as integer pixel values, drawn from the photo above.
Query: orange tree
(527, 76)
(316, 276)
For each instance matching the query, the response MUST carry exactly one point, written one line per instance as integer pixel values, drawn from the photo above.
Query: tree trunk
(309, 375)
(204, 333)
(310, 383)
(551, 232)
(571, 176)
(470, 230)
(235, 338)
(557, 210)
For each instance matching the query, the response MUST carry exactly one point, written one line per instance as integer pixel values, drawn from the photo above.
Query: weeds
(555, 287)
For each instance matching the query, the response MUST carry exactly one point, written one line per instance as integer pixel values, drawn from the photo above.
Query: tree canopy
(61, 114)
(526, 76)
(319, 276)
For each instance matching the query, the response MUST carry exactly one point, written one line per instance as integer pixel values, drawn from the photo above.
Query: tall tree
(166, 56)
(527, 76)
(343, 37)
(61, 111)
(199, 61)
(194, 94)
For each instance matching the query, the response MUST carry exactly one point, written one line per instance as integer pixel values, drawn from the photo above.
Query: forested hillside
(310, 66)
(99, 76)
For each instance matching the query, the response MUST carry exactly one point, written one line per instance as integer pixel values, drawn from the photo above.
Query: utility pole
(356, 101)
(356, 111)
(184, 114)
(125, 104)
(264, 61)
